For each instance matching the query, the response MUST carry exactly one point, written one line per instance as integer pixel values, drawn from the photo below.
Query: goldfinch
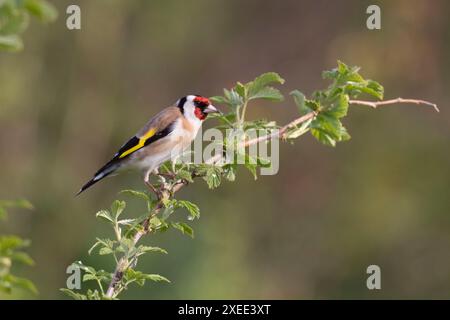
(163, 138)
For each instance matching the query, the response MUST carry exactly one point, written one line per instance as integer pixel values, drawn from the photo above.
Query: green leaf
(11, 43)
(213, 176)
(138, 194)
(192, 208)
(83, 267)
(344, 134)
(252, 168)
(117, 208)
(89, 277)
(156, 278)
(155, 222)
(9, 243)
(299, 99)
(42, 9)
(12, 22)
(95, 245)
(185, 175)
(74, 295)
(93, 295)
(312, 105)
(268, 93)
(22, 257)
(298, 131)
(105, 251)
(230, 172)
(105, 243)
(375, 89)
(105, 215)
(233, 99)
(260, 83)
(323, 137)
(184, 228)
(19, 282)
(131, 275)
(219, 100)
(241, 90)
(328, 124)
(340, 107)
(144, 249)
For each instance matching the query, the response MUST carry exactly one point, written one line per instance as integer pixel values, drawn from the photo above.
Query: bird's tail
(105, 171)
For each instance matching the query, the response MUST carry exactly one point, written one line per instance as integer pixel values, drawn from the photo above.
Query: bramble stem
(376, 104)
(122, 265)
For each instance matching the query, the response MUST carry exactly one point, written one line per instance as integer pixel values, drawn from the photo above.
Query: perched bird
(164, 137)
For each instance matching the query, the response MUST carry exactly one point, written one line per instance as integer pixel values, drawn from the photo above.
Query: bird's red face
(195, 107)
(202, 107)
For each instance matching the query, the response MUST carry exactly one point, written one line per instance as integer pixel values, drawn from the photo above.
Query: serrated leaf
(156, 278)
(218, 100)
(185, 175)
(192, 208)
(83, 267)
(230, 172)
(298, 131)
(93, 295)
(89, 277)
(375, 89)
(105, 215)
(117, 208)
(155, 222)
(233, 99)
(213, 176)
(74, 295)
(323, 137)
(344, 134)
(328, 124)
(340, 107)
(105, 251)
(268, 93)
(241, 90)
(261, 82)
(342, 68)
(143, 249)
(299, 99)
(127, 222)
(138, 194)
(184, 228)
(312, 105)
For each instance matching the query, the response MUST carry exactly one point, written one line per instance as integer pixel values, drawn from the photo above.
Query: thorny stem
(123, 264)
(376, 104)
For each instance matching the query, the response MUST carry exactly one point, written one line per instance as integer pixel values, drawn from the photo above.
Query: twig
(277, 134)
(376, 104)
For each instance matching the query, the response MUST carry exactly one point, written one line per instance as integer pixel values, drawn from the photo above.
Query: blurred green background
(72, 97)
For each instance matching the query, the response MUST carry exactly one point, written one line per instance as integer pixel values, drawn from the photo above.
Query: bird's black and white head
(195, 108)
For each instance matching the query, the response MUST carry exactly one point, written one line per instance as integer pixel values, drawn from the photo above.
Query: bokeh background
(72, 97)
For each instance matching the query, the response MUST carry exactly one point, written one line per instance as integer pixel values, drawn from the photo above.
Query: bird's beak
(210, 109)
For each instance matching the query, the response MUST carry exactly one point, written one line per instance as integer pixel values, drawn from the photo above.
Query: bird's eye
(201, 102)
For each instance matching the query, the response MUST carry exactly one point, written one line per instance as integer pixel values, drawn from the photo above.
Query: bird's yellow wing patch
(141, 142)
